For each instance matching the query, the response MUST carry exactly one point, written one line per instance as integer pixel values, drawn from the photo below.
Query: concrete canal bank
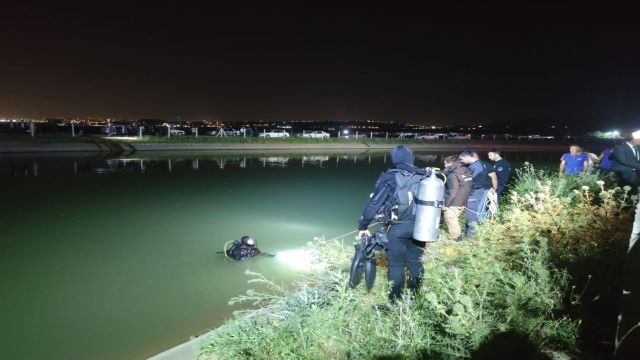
(132, 147)
(184, 351)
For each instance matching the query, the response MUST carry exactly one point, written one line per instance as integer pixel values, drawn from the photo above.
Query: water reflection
(275, 161)
(314, 160)
(429, 158)
(19, 166)
(20, 170)
(107, 166)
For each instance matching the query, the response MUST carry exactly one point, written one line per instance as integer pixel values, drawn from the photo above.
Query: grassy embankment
(518, 289)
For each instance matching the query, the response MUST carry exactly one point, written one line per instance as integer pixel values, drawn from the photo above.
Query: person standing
(502, 169)
(484, 179)
(575, 162)
(398, 206)
(626, 161)
(457, 189)
(593, 160)
(605, 160)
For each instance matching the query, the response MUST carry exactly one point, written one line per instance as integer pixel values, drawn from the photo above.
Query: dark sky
(302, 60)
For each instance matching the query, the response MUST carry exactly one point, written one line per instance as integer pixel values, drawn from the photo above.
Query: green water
(116, 258)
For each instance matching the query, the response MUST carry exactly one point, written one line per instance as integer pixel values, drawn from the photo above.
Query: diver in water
(243, 249)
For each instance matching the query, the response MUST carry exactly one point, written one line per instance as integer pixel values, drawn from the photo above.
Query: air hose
(225, 248)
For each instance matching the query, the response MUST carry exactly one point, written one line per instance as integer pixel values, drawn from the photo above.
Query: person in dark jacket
(457, 189)
(484, 180)
(626, 161)
(403, 251)
(605, 160)
(502, 169)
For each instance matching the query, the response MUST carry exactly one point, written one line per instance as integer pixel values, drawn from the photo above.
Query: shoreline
(130, 147)
(184, 351)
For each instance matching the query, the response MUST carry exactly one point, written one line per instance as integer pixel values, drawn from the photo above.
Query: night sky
(571, 64)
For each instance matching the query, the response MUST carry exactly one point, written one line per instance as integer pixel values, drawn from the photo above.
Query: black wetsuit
(403, 250)
(239, 251)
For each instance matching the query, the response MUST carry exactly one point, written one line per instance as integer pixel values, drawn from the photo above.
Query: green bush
(504, 281)
(579, 215)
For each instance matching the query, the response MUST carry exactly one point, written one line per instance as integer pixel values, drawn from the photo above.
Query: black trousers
(403, 251)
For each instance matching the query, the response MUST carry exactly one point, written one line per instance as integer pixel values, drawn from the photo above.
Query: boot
(395, 293)
(413, 284)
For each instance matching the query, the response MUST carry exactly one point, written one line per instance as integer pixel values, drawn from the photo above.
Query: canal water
(116, 258)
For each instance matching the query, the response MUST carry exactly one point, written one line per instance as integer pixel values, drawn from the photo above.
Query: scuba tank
(428, 201)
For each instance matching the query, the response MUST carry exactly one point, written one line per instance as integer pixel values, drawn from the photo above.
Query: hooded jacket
(458, 185)
(401, 155)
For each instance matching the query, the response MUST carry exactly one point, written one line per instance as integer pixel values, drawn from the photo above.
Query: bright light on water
(298, 259)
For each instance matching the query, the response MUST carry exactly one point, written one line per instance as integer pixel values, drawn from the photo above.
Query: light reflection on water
(116, 257)
(27, 166)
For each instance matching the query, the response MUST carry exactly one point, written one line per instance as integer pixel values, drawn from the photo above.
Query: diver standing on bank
(398, 209)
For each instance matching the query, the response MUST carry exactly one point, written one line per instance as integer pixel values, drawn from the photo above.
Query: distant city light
(613, 134)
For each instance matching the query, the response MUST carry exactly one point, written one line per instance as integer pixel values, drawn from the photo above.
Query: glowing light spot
(298, 259)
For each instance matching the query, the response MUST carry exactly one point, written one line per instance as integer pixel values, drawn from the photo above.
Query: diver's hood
(248, 240)
(401, 155)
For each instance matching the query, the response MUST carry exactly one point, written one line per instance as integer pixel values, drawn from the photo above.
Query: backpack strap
(436, 203)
